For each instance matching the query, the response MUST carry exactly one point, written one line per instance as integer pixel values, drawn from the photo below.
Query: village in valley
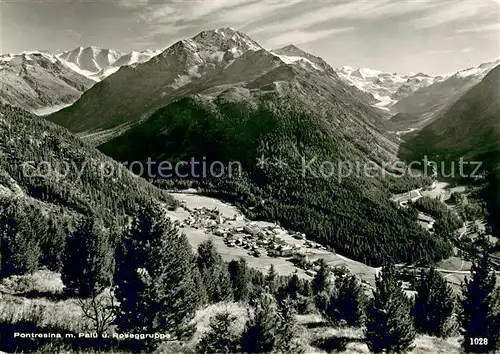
(260, 243)
(257, 239)
(263, 244)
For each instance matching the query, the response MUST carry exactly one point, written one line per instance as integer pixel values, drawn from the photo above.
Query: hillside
(214, 59)
(430, 102)
(470, 128)
(39, 80)
(290, 115)
(49, 179)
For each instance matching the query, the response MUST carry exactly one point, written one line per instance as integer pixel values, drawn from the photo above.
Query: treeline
(352, 214)
(148, 280)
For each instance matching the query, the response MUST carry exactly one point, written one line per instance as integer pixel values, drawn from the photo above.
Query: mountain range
(42, 82)
(428, 103)
(412, 99)
(209, 63)
(37, 80)
(468, 129)
(221, 97)
(386, 88)
(98, 63)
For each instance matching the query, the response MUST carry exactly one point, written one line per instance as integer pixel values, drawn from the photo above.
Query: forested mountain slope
(469, 129)
(291, 118)
(49, 179)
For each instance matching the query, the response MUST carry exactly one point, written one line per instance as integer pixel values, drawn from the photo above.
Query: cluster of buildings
(252, 237)
(206, 218)
(258, 240)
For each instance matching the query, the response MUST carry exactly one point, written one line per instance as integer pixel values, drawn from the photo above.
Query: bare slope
(37, 80)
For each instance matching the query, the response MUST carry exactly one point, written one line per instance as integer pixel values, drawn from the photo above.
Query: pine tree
(221, 337)
(293, 286)
(321, 281)
(271, 327)
(214, 273)
(480, 308)
(347, 304)
(54, 248)
(298, 291)
(88, 260)
(20, 252)
(287, 327)
(434, 305)
(200, 285)
(272, 280)
(154, 282)
(259, 335)
(172, 287)
(389, 325)
(305, 301)
(240, 279)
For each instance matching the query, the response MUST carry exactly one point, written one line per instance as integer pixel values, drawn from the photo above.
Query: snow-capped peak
(479, 71)
(28, 57)
(227, 38)
(97, 63)
(90, 59)
(292, 54)
(288, 59)
(364, 73)
(135, 57)
(386, 87)
(346, 69)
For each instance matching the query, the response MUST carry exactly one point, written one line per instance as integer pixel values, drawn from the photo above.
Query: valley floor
(194, 206)
(196, 234)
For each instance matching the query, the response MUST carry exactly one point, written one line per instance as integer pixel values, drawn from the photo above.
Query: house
(310, 273)
(254, 231)
(411, 196)
(219, 232)
(285, 251)
(255, 253)
(263, 242)
(425, 218)
(280, 251)
(426, 222)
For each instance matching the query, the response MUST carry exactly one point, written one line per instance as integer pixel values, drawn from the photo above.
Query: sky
(431, 36)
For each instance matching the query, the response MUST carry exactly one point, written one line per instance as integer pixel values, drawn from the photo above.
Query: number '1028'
(478, 341)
